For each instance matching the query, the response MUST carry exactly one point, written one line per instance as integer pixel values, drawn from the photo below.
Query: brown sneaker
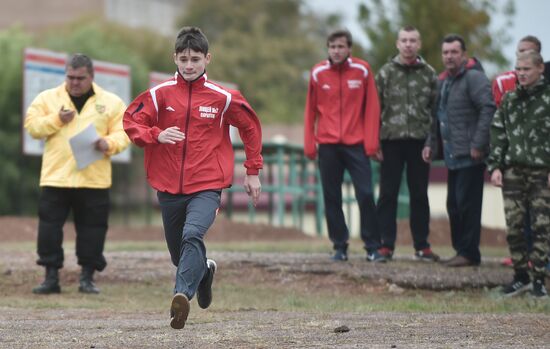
(179, 310)
(460, 261)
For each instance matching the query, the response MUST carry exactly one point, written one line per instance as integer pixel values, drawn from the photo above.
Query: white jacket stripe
(224, 92)
(153, 91)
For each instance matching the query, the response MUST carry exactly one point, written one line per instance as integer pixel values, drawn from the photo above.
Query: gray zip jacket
(469, 105)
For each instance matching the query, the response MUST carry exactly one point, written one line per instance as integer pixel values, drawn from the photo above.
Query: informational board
(44, 69)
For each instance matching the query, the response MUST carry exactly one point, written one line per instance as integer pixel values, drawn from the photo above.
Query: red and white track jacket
(203, 111)
(342, 106)
(503, 83)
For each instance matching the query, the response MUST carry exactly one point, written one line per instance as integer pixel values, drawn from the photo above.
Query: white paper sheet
(83, 147)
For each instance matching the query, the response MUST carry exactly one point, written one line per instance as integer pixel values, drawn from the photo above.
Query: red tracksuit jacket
(503, 83)
(203, 111)
(342, 106)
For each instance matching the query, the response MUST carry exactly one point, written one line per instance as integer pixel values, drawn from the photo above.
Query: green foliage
(142, 50)
(265, 47)
(434, 19)
(19, 176)
(138, 48)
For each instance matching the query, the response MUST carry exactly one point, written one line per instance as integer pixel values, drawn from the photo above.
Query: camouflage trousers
(522, 189)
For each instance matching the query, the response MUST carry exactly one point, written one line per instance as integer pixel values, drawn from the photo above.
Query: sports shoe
(179, 311)
(426, 255)
(375, 256)
(506, 262)
(516, 287)
(539, 290)
(386, 252)
(204, 292)
(340, 256)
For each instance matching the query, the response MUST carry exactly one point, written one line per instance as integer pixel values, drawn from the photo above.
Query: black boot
(50, 284)
(87, 281)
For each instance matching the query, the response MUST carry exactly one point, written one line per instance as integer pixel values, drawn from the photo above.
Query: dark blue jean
(400, 155)
(334, 159)
(186, 219)
(464, 201)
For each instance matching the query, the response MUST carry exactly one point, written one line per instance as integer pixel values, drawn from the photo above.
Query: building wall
(36, 15)
(158, 15)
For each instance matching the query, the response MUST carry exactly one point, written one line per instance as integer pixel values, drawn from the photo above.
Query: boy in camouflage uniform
(407, 87)
(520, 163)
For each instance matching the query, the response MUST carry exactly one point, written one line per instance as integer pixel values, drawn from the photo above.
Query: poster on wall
(44, 69)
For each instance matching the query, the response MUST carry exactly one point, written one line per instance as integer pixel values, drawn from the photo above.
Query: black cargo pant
(90, 209)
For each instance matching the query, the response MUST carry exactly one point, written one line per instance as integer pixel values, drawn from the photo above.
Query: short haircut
(531, 55)
(79, 60)
(191, 38)
(455, 37)
(408, 28)
(534, 40)
(339, 34)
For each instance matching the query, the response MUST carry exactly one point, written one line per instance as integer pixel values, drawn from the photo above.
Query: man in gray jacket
(464, 112)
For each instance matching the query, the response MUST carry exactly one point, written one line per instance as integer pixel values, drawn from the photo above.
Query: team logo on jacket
(325, 87)
(352, 84)
(208, 112)
(100, 108)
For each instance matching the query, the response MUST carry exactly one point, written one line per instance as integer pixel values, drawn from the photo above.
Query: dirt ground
(251, 328)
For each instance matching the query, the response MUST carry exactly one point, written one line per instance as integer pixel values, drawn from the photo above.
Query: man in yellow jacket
(57, 115)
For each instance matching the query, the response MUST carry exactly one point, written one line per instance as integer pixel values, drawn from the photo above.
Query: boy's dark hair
(191, 38)
(79, 60)
(455, 37)
(408, 28)
(339, 34)
(534, 40)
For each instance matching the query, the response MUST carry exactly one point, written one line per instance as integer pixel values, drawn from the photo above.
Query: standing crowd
(404, 117)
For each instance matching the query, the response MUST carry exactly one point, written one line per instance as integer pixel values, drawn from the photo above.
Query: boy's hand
(253, 187)
(427, 154)
(171, 135)
(496, 178)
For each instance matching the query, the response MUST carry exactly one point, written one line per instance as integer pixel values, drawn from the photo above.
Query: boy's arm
(140, 121)
(371, 116)
(499, 139)
(241, 115)
(310, 115)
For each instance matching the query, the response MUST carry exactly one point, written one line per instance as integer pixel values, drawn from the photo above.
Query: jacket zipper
(408, 101)
(189, 106)
(341, 114)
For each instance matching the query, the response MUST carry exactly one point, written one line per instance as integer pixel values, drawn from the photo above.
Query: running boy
(183, 126)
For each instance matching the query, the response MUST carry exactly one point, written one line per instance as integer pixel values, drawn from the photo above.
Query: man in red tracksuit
(183, 125)
(341, 125)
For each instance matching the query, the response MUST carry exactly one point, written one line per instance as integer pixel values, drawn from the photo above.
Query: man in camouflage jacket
(519, 162)
(407, 87)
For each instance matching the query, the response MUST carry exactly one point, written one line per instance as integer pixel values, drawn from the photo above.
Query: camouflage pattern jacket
(520, 129)
(407, 96)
